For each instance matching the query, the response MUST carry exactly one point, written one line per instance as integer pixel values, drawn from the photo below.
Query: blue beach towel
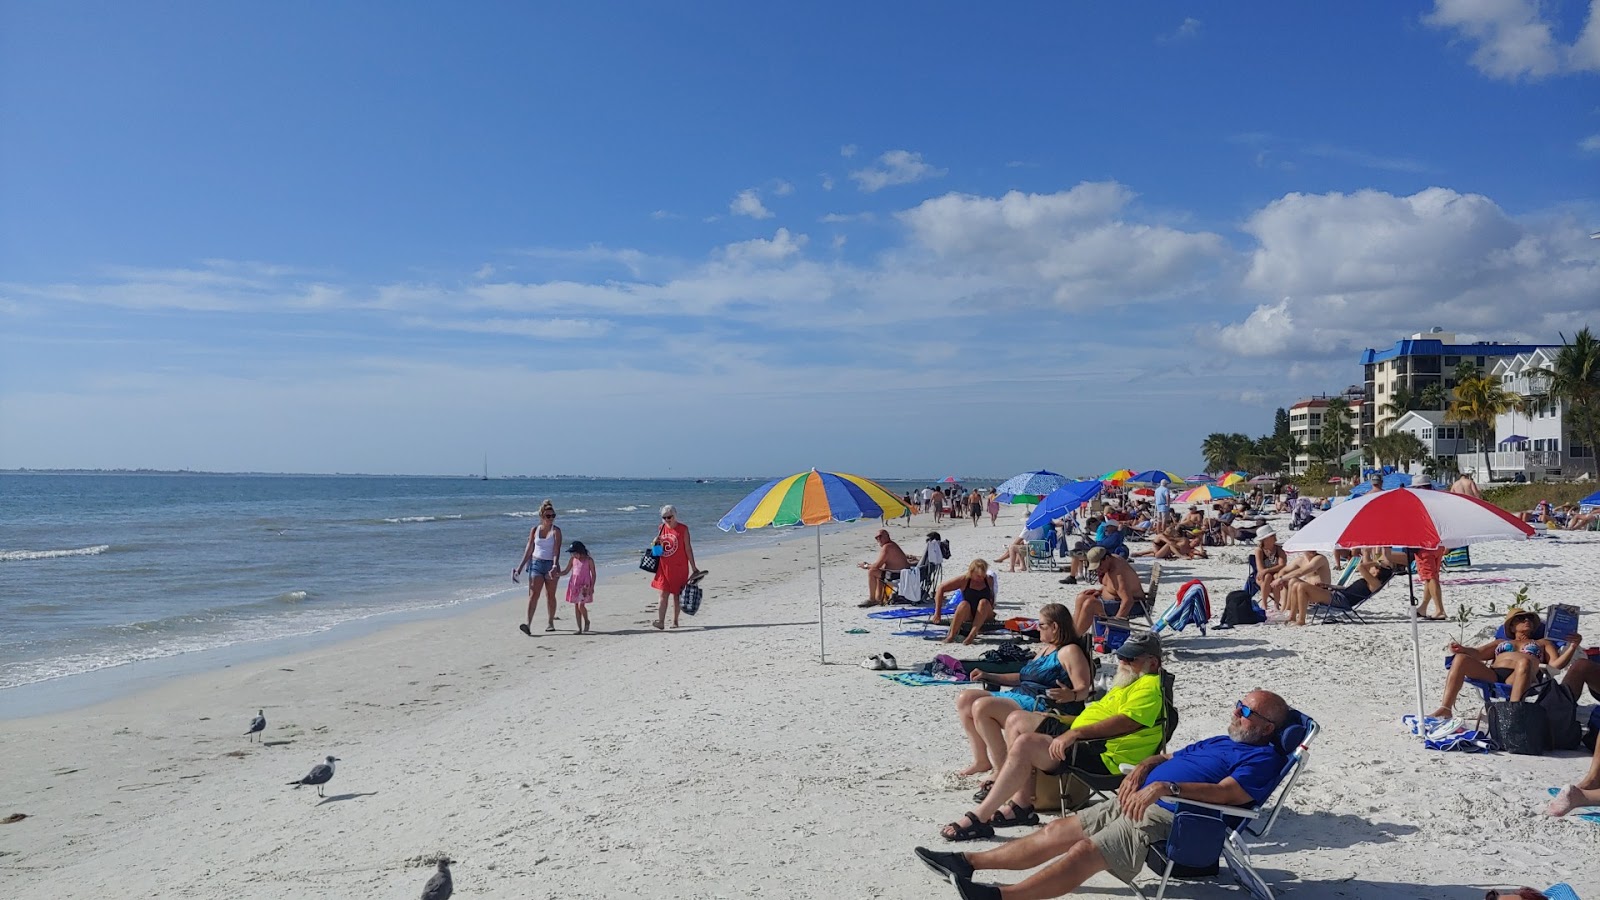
(911, 612)
(917, 679)
(1449, 734)
(1587, 817)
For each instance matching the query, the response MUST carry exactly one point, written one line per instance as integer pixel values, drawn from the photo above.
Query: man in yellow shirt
(1124, 726)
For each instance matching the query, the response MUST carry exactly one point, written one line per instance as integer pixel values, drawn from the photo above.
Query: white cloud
(848, 150)
(895, 167)
(837, 218)
(748, 203)
(553, 329)
(1187, 29)
(839, 241)
(782, 188)
(827, 182)
(1352, 269)
(1590, 144)
(484, 271)
(661, 214)
(1515, 38)
(782, 246)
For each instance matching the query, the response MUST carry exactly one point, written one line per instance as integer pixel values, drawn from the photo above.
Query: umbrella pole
(1416, 643)
(821, 633)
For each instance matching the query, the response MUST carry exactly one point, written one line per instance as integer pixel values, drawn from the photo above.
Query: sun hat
(1515, 613)
(1145, 643)
(1422, 482)
(1264, 533)
(1094, 555)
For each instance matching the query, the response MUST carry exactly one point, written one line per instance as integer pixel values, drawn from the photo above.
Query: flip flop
(525, 629)
(889, 662)
(695, 578)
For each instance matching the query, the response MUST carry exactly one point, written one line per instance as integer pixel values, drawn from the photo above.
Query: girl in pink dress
(580, 587)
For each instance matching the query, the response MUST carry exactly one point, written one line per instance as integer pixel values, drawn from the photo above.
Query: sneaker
(1070, 579)
(948, 865)
(874, 663)
(889, 662)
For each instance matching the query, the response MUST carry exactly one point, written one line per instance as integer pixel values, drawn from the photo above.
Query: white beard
(1126, 675)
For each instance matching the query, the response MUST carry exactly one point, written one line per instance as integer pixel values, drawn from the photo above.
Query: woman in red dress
(676, 567)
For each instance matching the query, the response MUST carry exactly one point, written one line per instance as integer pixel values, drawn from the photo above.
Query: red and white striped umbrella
(1424, 520)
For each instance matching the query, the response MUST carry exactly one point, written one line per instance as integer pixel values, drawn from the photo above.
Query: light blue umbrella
(1390, 482)
(1030, 486)
(1063, 500)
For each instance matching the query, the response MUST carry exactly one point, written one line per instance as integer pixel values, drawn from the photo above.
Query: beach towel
(917, 679)
(1192, 606)
(1458, 558)
(1587, 817)
(1449, 734)
(911, 612)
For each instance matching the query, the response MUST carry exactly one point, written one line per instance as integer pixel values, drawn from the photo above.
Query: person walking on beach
(938, 505)
(540, 559)
(975, 506)
(580, 586)
(994, 507)
(677, 567)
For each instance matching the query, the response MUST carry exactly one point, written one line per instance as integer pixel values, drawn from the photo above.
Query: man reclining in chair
(1119, 595)
(1239, 769)
(1124, 726)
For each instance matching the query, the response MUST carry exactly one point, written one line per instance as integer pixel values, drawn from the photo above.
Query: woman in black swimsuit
(1303, 594)
(977, 600)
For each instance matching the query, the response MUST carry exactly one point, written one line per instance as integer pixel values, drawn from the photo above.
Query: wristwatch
(1172, 789)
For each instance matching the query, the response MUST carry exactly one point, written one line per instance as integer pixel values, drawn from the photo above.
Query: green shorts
(1123, 843)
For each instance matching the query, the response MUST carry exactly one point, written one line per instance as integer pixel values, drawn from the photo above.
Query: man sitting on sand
(890, 559)
(1239, 769)
(1119, 595)
(1124, 726)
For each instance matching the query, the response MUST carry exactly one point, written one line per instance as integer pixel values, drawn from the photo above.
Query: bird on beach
(439, 887)
(258, 724)
(320, 774)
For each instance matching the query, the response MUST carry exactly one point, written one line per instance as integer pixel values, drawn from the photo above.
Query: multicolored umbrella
(1156, 476)
(813, 498)
(1417, 520)
(1116, 476)
(1233, 478)
(949, 479)
(1204, 494)
(1200, 479)
(1030, 487)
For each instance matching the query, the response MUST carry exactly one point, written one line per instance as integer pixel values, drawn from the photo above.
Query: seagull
(440, 886)
(258, 724)
(320, 774)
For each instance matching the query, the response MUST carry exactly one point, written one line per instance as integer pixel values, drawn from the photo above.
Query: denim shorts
(540, 567)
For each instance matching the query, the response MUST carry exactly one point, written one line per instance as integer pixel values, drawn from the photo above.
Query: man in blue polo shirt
(1163, 500)
(1240, 769)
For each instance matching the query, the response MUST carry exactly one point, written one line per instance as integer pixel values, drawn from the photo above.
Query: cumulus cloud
(782, 188)
(1349, 266)
(827, 181)
(1590, 144)
(552, 329)
(895, 167)
(748, 203)
(1515, 38)
(847, 151)
(1079, 247)
(782, 246)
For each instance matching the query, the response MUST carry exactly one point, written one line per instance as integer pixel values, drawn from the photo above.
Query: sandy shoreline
(722, 760)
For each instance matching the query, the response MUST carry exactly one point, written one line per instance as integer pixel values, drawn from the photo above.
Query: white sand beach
(722, 761)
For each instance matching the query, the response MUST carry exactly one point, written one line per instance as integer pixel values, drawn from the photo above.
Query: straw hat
(1515, 613)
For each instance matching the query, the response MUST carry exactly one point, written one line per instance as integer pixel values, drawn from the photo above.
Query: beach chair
(1252, 585)
(1204, 834)
(1494, 690)
(1039, 556)
(1102, 785)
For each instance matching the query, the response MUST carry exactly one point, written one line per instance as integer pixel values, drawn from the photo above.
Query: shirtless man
(1310, 566)
(890, 559)
(1465, 486)
(1119, 595)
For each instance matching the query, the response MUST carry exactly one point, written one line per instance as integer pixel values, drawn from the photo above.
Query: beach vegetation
(1433, 396)
(1463, 616)
(1519, 498)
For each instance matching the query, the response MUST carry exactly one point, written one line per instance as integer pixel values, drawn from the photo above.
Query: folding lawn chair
(1102, 785)
(1203, 834)
(1039, 556)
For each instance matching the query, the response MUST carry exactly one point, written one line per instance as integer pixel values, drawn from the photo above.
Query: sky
(722, 238)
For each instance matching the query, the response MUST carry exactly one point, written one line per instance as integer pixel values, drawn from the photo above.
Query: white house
(1444, 440)
(1535, 440)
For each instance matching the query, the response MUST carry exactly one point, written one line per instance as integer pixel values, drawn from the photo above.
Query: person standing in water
(540, 559)
(676, 567)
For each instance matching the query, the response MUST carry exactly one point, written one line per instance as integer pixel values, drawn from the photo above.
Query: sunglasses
(1246, 712)
(666, 518)
(548, 516)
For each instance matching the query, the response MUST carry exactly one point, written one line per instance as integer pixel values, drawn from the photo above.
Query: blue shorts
(1111, 607)
(540, 567)
(1028, 702)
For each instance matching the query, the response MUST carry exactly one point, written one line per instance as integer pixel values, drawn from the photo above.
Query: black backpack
(1238, 610)
(1520, 728)
(944, 547)
(1561, 717)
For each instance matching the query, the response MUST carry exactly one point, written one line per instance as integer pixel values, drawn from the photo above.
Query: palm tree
(1224, 452)
(1406, 448)
(1433, 396)
(1479, 399)
(1336, 427)
(1575, 378)
(1399, 403)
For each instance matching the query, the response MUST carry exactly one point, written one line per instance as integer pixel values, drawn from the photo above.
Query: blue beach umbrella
(1063, 500)
(1390, 482)
(1156, 476)
(1029, 487)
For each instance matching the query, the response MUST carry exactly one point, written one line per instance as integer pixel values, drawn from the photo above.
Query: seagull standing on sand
(320, 774)
(258, 724)
(439, 887)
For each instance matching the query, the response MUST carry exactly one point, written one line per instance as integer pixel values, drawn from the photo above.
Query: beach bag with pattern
(689, 600)
(649, 561)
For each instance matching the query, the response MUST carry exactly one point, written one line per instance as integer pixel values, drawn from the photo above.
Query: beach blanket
(1459, 558)
(910, 612)
(917, 679)
(1587, 817)
(1450, 734)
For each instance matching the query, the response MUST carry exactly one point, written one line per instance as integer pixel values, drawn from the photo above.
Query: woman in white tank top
(540, 560)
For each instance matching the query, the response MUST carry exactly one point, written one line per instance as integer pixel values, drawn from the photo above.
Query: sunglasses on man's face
(1246, 712)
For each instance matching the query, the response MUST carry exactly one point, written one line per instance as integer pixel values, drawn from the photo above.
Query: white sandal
(874, 663)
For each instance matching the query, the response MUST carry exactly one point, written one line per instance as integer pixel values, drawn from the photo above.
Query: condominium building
(1306, 420)
(1417, 361)
(1536, 439)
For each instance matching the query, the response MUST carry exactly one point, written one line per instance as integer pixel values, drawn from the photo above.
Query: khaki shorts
(1123, 843)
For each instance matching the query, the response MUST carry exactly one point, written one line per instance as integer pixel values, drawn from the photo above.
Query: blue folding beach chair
(1203, 834)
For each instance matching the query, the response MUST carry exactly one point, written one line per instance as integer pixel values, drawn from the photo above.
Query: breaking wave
(19, 555)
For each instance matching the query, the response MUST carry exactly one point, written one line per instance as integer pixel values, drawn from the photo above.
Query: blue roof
(1428, 347)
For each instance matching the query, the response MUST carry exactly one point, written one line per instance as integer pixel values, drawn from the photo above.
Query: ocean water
(103, 570)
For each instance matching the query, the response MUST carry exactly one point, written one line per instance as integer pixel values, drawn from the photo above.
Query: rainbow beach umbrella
(1156, 476)
(1116, 476)
(1233, 478)
(813, 498)
(1204, 493)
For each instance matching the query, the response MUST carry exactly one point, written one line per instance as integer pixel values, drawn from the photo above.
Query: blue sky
(621, 238)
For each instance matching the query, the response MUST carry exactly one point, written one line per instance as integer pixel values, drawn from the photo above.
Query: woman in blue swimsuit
(983, 714)
(1515, 661)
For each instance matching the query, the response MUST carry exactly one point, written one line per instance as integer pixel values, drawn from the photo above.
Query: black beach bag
(1238, 610)
(649, 561)
(1561, 717)
(1519, 727)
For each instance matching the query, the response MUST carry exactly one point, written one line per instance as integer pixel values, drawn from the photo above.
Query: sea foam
(19, 555)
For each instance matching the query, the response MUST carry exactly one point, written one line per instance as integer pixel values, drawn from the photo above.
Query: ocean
(104, 570)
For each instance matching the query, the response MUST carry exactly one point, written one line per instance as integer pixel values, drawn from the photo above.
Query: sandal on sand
(984, 787)
(889, 662)
(1020, 815)
(526, 630)
(955, 831)
(550, 627)
(875, 663)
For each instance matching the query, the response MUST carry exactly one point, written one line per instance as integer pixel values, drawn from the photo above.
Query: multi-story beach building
(1535, 440)
(1446, 441)
(1417, 361)
(1307, 418)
